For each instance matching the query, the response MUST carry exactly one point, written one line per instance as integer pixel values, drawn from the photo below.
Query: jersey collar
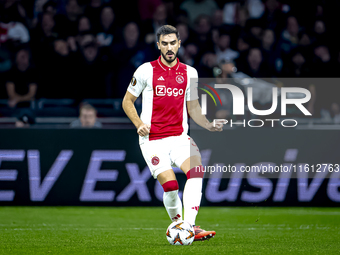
(175, 67)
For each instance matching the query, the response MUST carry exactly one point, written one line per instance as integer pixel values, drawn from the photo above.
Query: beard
(171, 59)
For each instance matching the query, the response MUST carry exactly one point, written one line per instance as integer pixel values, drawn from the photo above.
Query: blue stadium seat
(56, 108)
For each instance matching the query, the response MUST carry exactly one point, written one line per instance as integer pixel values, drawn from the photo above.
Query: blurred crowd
(84, 49)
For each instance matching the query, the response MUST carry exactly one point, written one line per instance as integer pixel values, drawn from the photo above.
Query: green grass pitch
(138, 230)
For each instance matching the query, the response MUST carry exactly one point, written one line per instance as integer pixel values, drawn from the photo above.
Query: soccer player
(162, 127)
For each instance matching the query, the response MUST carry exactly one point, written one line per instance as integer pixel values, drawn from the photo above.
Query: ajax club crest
(179, 78)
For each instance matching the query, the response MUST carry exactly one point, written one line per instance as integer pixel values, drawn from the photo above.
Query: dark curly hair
(165, 30)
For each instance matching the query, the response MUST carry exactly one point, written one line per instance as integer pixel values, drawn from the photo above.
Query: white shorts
(163, 154)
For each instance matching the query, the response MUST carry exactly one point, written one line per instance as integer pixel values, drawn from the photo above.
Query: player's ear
(158, 46)
(179, 43)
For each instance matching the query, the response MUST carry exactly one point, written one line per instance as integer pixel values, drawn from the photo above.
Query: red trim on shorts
(170, 186)
(196, 172)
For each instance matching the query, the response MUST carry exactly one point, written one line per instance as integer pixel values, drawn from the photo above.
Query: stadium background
(62, 54)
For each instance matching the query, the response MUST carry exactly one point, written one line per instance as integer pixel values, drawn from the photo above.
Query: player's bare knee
(195, 161)
(166, 176)
(190, 163)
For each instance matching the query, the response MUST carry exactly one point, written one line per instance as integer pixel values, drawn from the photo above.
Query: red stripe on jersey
(169, 86)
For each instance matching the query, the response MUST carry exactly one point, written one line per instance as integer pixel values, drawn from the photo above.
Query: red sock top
(195, 172)
(170, 186)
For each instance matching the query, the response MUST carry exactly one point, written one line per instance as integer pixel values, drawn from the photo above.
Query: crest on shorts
(155, 160)
(133, 81)
(179, 78)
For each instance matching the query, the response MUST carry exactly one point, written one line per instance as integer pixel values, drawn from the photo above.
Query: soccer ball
(180, 233)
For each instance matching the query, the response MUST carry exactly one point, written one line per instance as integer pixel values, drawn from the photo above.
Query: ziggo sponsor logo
(161, 90)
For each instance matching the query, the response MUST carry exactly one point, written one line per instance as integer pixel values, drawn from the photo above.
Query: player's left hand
(143, 129)
(216, 125)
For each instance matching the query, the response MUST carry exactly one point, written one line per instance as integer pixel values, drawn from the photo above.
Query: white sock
(173, 205)
(192, 195)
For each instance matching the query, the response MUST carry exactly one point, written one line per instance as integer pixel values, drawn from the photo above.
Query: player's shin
(171, 200)
(192, 194)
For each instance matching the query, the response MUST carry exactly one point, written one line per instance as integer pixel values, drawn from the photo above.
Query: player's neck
(172, 64)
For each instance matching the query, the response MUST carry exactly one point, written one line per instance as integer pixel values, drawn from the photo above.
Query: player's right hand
(143, 129)
(216, 125)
